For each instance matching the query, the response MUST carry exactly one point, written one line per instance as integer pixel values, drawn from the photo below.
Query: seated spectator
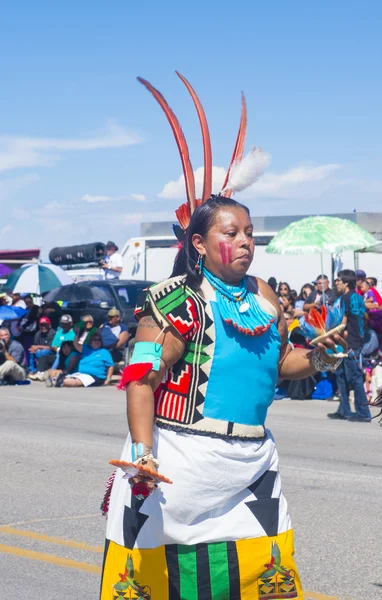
(5, 300)
(53, 311)
(372, 281)
(12, 359)
(28, 324)
(42, 345)
(68, 358)
(95, 368)
(283, 289)
(287, 305)
(84, 331)
(369, 297)
(65, 333)
(305, 292)
(361, 276)
(115, 335)
(17, 300)
(315, 299)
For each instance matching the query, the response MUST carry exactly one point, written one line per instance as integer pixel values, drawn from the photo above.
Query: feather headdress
(241, 172)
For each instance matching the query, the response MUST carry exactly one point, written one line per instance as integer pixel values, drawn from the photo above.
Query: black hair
(290, 297)
(283, 283)
(201, 222)
(319, 277)
(307, 285)
(61, 355)
(272, 282)
(374, 280)
(349, 277)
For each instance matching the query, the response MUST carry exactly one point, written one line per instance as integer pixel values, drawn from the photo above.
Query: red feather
(134, 373)
(315, 319)
(183, 215)
(207, 183)
(180, 140)
(240, 143)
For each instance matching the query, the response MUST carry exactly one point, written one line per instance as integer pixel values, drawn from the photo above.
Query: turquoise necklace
(238, 307)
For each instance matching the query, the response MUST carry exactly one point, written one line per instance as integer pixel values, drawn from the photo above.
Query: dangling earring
(199, 265)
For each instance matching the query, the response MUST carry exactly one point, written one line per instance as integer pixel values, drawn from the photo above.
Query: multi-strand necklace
(238, 307)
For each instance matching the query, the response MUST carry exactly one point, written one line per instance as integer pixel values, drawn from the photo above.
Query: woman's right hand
(143, 485)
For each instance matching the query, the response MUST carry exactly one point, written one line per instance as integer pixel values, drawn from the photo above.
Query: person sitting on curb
(84, 331)
(65, 333)
(42, 345)
(115, 335)
(95, 368)
(67, 363)
(12, 359)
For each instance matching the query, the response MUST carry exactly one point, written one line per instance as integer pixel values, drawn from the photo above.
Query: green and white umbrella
(320, 234)
(37, 279)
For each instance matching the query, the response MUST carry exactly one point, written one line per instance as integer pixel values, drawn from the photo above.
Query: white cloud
(175, 190)
(20, 152)
(6, 229)
(286, 184)
(91, 199)
(294, 182)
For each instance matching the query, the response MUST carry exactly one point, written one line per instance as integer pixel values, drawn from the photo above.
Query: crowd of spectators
(47, 346)
(361, 371)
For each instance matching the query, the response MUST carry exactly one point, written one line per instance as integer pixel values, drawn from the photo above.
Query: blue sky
(86, 153)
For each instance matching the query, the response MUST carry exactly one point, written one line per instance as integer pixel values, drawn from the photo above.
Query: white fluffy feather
(245, 172)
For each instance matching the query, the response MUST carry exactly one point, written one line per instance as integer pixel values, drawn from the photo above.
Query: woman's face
(65, 349)
(88, 322)
(285, 302)
(228, 248)
(284, 290)
(305, 292)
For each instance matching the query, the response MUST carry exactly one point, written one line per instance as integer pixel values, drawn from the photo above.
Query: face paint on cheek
(225, 252)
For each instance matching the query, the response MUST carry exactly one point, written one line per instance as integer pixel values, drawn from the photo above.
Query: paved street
(55, 447)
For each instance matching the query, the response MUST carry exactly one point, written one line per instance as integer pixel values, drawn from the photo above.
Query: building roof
(20, 255)
(372, 222)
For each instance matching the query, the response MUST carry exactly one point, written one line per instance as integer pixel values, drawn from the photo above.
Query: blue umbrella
(7, 313)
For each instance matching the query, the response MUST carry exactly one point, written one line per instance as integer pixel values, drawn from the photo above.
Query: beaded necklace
(239, 308)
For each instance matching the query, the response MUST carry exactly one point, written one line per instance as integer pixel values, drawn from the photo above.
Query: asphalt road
(55, 447)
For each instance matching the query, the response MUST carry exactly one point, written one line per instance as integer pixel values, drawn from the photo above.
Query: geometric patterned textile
(252, 569)
(180, 399)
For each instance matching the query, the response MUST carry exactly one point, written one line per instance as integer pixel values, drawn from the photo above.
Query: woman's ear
(198, 243)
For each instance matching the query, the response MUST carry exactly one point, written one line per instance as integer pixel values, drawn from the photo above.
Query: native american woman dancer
(210, 345)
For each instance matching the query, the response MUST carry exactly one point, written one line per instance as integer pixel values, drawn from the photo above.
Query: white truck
(151, 258)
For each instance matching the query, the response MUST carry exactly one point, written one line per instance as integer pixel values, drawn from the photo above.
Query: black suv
(96, 298)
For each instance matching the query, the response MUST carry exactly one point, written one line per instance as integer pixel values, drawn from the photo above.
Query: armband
(147, 356)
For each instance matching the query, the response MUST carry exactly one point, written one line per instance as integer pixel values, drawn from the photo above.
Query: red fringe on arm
(134, 373)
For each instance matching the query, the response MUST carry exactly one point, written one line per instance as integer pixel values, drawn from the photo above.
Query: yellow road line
(49, 558)
(52, 540)
(91, 516)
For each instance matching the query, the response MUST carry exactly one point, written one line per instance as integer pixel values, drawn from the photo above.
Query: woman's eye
(231, 233)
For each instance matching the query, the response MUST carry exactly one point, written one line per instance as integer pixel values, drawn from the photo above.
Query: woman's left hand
(333, 343)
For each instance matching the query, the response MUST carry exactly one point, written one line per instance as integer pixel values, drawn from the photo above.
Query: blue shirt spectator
(95, 361)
